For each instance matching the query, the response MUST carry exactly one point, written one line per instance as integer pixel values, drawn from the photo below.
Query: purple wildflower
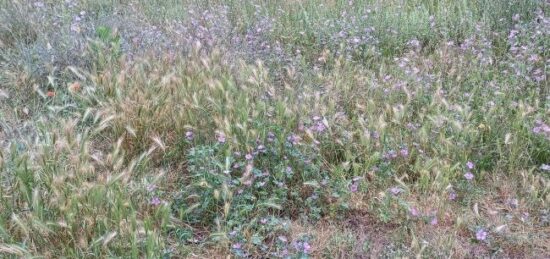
(513, 203)
(261, 148)
(434, 221)
(248, 156)
(481, 234)
(469, 176)
(263, 221)
(237, 246)
(390, 154)
(414, 212)
(396, 190)
(294, 139)
(404, 152)
(270, 136)
(541, 128)
(452, 196)
(189, 135)
(155, 201)
(470, 165)
(353, 187)
(307, 248)
(320, 127)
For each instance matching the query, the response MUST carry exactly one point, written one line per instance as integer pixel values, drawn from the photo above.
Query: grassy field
(274, 129)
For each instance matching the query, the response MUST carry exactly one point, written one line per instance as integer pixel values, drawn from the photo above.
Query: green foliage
(106, 49)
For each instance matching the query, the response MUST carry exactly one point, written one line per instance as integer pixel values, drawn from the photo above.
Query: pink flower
(307, 248)
(470, 165)
(469, 176)
(237, 246)
(155, 201)
(248, 156)
(481, 234)
(414, 212)
(434, 221)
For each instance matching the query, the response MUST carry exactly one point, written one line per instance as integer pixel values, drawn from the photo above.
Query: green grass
(259, 129)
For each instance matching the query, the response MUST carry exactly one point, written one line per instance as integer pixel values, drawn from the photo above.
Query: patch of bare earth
(368, 228)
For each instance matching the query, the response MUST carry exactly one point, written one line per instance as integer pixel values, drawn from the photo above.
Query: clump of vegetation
(342, 129)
